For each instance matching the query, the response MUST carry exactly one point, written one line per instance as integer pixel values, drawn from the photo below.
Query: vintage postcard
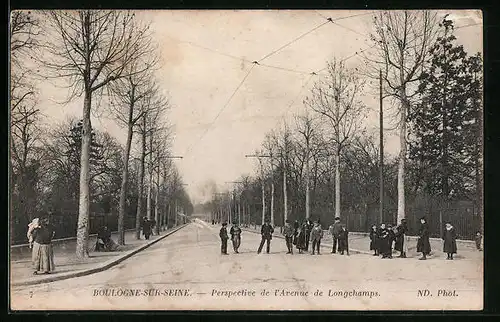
(246, 160)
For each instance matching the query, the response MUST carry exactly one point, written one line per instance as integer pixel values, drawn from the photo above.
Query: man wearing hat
(423, 243)
(334, 230)
(235, 232)
(223, 237)
(267, 234)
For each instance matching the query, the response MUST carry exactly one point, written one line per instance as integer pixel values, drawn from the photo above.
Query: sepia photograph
(228, 160)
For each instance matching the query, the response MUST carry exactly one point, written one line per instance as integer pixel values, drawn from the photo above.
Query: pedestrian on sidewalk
(450, 241)
(235, 232)
(401, 245)
(392, 236)
(334, 230)
(223, 238)
(104, 241)
(478, 238)
(316, 235)
(35, 223)
(42, 253)
(301, 238)
(309, 227)
(374, 240)
(344, 240)
(385, 242)
(146, 228)
(266, 232)
(296, 227)
(288, 232)
(423, 243)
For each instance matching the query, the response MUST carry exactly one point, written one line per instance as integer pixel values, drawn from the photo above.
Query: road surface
(186, 271)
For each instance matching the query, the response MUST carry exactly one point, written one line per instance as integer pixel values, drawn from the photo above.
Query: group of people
(147, 227)
(298, 235)
(383, 239)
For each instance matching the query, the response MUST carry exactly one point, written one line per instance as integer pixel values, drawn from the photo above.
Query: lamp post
(259, 157)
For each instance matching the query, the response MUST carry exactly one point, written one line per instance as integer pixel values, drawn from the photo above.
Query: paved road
(186, 271)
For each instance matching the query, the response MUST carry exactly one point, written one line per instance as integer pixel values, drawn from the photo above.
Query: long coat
(423, 244)
(450, 241)
(373, 240)
(343, 240)
(301, 239)
(402, 229)
(384, 239)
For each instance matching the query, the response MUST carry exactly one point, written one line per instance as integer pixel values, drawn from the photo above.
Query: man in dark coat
(223, 238)
(392, 236)
(316, 236)
(146, 228)
(235, 232)
(400, 245)
(288, 232)
(423, 244)
(334, 231)
(266, 232)
(450, 241)
(374, 240)
(309, 227)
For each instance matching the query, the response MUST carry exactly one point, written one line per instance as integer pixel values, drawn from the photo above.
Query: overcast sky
(204, 59)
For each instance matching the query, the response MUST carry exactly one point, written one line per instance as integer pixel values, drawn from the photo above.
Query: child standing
(374, 240)
(450, 241)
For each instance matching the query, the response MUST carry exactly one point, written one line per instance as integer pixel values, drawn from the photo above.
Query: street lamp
(259, 157)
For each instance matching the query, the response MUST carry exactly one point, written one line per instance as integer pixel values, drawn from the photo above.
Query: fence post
(441, 223)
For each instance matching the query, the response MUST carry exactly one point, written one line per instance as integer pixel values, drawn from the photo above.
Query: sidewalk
(360, 243)
(68, 265)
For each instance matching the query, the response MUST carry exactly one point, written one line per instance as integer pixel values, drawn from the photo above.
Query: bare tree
(127, 92)
(336, 100)
(402, 42)
(305, 126)
(90, 49)
(153, 107)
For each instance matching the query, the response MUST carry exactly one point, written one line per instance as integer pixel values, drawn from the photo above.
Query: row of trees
(329, 162)
(109, 58)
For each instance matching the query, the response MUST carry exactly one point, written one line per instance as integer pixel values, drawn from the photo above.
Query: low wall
(17, 250)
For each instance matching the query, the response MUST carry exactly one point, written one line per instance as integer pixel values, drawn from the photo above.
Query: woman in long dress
(43, 254)
(423, 243)
(450, 241)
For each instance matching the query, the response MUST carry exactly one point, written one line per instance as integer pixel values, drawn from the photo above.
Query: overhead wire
(220, 111)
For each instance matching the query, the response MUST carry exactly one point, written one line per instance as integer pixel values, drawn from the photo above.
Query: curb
(99, 268)
(351, 250)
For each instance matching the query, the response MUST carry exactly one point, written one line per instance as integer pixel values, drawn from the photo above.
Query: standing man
(289, 232)
(235, 237)
(267, 234)
(146, 228)
(223, 239)
(316, 235)
(309, 227)
(335, 232)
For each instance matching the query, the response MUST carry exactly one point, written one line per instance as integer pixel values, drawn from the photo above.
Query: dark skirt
(43, 257)
(450, 246)
(423, 245)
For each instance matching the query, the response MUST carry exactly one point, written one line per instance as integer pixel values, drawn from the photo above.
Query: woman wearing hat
(423, 244)
(450, 240)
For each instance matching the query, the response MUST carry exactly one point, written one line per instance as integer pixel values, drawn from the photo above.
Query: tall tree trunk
(82, 233)
(157, 214)
(272, 201)
(138, 216)
(308, 211)
(285, 201)
(337, 182)
(263, 194)
(150, 178)
(123, 189)
(402, 157)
